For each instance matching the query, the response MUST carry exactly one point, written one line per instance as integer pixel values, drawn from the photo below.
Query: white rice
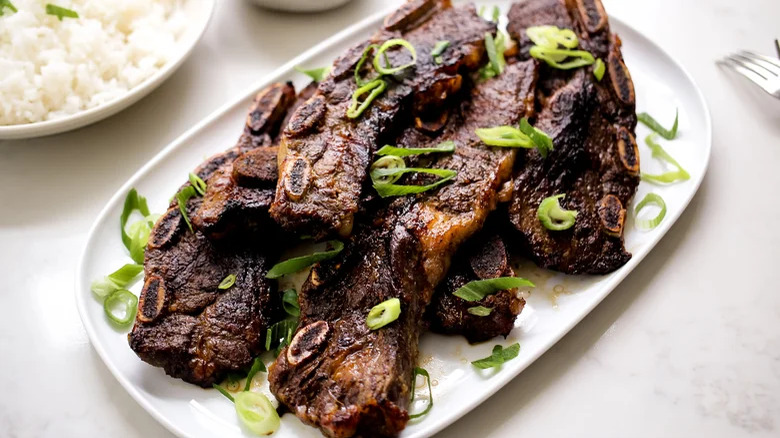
(50, 69)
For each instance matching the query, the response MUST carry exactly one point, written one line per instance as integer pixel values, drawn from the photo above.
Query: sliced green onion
(383, 313)
(139, 232)
(133, 201)
(182, 197)
(280, 332)
(227, 282)
(553, 217)
(316, 74)
(257, 413)
(479, 311)
(290, 303)
(438, 49)
(650, 199)
(550, 37)
(296, 264)
(481, 10)
(363, 57)
(386, 190)
(651, 123)
(504, 136)
(668, 177)
(554, 57)
(60, 12)
(388, 162)
(422, 372)
(498, 357)
(198, 183)
(495, 56)
(496, 14)
(479, 289)
(541, 140)
(598, 69)
(119, 279)
(257, 366)
(374, 88)
(7, 4)
(120, 306)
(387, 45)
(224, 392)
(445, 146)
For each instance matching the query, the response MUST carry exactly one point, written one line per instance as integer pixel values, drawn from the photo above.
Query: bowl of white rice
(59, 71)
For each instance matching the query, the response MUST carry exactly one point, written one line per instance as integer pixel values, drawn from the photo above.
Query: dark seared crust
(325, 155)
(484, 256)
(595, 161)
(358, 380)
(185, 323)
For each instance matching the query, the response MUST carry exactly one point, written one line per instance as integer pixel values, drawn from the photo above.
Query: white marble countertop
(688, 345)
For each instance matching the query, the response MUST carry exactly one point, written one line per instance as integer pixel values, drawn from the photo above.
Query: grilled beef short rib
(339, 375)
(325, 155)
(595, 160)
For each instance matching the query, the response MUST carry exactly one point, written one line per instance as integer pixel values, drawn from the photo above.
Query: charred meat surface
(595, 161)
(185, 323)
(483, 257)
(325, 155)
(345, 378)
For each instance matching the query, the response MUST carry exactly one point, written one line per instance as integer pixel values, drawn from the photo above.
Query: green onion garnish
(280, 332)
(198, 183)
(553, 217)
(479, 289)
(139, 232)
(479, 311)
(383, 313)
(257, 366)
(598, 69)
(651, 123)
(374, 88)
(119, 279)
(60, 12)
(290, 303)
(7, 4)
(481, 10)
(387, 162)
(363, 57)
(257, 413)
(224, 392)
(445, 146)
(650, 199)
(551, 36)
(227, 282)
(504, 136)
(498, 357)
(133, 201)
(182, 197)
(668, 177)
(316, 74)
(120, 306)
(296, 264)
(388, 70)
(541, 140)
(386, 190)
(438, 49)
(422, 372)
(496, 14)
(554, 57)
(495, 52)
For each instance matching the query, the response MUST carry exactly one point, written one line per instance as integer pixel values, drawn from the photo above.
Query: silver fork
(763, 71)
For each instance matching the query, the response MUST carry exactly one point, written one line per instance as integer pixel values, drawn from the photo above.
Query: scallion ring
(541, 140)
(438, 49)
(550, 37)
(290, 303)
(296, 264)
(553, 217)
(383, 313)
(479, 311)
(598, 69)
(386, 190)
(388, 70)
(668, 177)
(119, 279)
(363, 57)
(133, 201)
(422, 372)
(227, 282)
(388, 162)
(256, 413)
(445, 146)
(257, 366)
(650, 199)
(554, 57)
(120, 306)
(479, 289)
(504, 136)
(373, 88)
(198, 183)
(653, 124)
(495, 56)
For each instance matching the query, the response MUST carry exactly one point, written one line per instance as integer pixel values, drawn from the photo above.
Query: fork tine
(749, 65)
(770, 64)
(766, 69)
(777, 46)
(750, 74)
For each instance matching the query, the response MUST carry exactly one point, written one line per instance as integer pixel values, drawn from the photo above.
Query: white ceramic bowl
(300, 5)
(198, 15)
